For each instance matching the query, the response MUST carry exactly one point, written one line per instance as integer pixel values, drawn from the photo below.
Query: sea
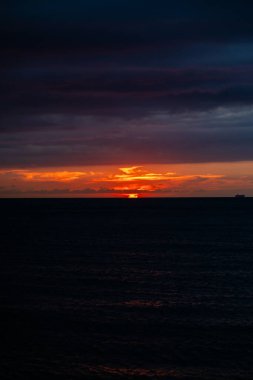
(126, 289)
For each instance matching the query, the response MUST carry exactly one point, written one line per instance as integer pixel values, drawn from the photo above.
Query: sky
(126, 98)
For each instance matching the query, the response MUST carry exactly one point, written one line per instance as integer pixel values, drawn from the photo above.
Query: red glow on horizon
(213, 179)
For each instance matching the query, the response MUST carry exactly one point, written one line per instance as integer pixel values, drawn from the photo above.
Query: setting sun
(133, 196)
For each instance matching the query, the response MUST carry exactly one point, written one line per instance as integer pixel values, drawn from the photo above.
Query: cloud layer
(108, 82)
(134, 181)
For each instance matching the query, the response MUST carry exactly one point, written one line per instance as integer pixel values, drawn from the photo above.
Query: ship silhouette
(239, 195)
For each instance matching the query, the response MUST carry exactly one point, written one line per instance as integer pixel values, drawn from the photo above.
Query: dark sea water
(108, 289)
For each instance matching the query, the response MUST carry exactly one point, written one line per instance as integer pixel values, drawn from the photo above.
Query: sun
(133, 196)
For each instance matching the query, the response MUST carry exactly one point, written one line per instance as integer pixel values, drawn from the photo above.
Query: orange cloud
(137, 173)
(47, 176)
(62, 176)
(132, 170)
(112, 181)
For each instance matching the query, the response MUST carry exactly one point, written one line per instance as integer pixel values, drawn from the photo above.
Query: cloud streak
(122, 182)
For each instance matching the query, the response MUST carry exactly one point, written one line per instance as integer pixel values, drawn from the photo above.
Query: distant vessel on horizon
(240, 196)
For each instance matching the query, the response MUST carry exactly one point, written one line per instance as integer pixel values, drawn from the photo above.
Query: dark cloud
(56, 192)
(103, 82)
(124, 92)
(186, 143)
